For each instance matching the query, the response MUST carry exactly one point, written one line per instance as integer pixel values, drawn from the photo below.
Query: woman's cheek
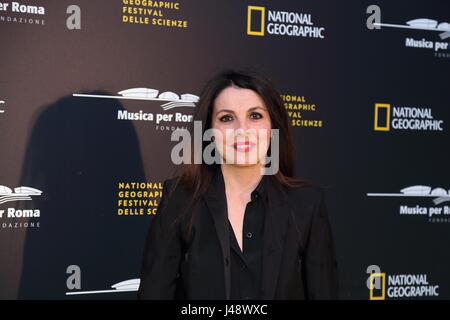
(220, 140)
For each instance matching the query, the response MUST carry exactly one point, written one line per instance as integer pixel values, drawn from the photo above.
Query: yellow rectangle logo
(382, 277)
(387, 126)
(262, 11)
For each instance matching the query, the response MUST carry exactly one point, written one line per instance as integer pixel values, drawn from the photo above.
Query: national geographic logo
(154, 13)
(396, 286)
(256, 17)
(138, 198)
(387, 118)
(301, 112)
(377, 278)
(281, 23)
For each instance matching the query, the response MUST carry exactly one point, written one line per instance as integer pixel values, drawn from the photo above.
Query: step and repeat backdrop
(91, 91)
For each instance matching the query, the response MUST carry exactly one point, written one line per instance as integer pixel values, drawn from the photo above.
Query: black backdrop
(66, 132)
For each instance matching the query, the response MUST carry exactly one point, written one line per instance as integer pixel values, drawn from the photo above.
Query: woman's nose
(242, 124)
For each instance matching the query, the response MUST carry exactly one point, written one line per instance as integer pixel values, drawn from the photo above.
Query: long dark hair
(196, 178)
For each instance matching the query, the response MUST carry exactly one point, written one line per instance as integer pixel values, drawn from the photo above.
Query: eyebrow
(231, 111)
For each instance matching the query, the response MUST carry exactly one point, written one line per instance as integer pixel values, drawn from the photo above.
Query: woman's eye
(226, 118)
(256, 115)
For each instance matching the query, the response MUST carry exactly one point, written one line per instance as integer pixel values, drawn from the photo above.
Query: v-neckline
(234, 241)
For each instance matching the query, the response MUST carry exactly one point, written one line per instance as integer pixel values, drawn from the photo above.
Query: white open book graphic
(416, 190)
(123, 286)
(422, 24)
(171, 99)
(139, 92)
(428, 24)
(174, 100)
(20, 193)
(440, 194)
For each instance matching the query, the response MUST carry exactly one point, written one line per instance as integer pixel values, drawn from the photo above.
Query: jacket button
(227, 262)
(249, 235)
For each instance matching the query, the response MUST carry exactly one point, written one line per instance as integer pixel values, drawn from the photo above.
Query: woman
(226, 230)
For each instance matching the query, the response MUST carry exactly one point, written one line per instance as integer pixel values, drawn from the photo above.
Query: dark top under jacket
(246, 263)
(288, 250)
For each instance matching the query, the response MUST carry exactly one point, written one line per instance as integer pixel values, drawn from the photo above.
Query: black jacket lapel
(217, 204)
(275, 227)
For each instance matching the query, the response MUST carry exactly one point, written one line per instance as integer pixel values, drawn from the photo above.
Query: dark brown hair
(196, 178)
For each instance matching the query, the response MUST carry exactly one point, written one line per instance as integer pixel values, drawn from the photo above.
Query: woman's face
(242, 123)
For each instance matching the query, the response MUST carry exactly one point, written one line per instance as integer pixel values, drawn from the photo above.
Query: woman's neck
(240, 180)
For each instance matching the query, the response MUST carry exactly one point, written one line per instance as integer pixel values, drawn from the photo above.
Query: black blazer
(298, 261)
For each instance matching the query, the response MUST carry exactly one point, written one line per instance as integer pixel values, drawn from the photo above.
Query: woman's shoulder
(307, 192)
(307, 200)
(313, 190)
(173, 197)
(298, 187)
(168, 183)
(172, 185)
(175, 189)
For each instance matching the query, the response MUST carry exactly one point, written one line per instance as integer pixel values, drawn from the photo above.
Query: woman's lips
(243, 146)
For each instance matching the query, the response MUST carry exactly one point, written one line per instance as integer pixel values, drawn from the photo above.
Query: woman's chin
(243, 163)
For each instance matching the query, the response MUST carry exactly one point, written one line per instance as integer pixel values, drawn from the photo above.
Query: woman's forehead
(237, 99)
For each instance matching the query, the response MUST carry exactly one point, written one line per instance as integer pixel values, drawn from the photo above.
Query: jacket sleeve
(321, 277)
(162, 254)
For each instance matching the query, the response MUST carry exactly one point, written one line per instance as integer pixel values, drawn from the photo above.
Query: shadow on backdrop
(77, 154)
